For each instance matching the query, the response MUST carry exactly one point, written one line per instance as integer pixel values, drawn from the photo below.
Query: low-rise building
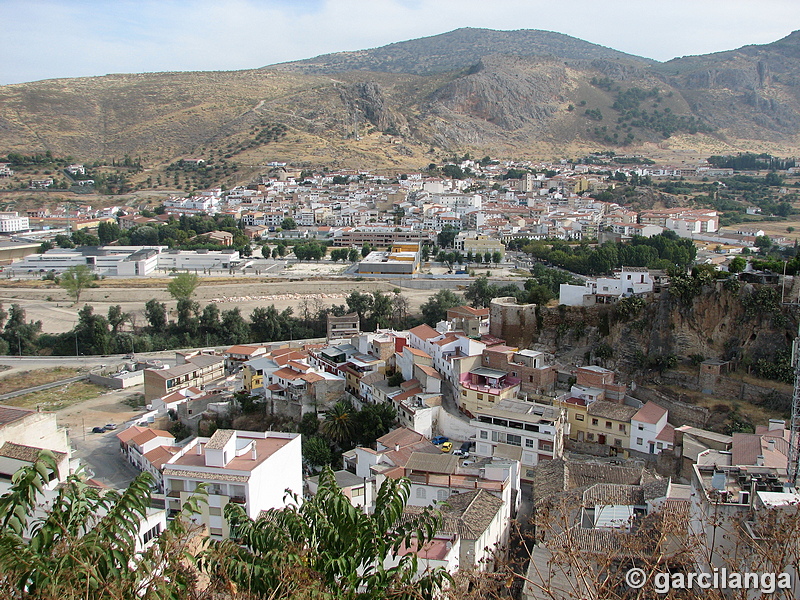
(530, 431)
(254, 469)
(197, 371)
(650, 432)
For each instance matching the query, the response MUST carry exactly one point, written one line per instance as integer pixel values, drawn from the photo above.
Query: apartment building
(253, 469)
(529, 431)
(197, 371)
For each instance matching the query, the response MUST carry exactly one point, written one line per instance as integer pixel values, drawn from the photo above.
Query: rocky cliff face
(715, 324)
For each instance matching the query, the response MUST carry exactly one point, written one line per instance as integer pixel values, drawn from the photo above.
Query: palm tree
(339, 425)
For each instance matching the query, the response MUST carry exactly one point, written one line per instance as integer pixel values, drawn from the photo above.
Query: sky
(44, 39)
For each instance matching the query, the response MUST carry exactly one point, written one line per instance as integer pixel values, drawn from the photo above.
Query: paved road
(39, 388)
(100, 453)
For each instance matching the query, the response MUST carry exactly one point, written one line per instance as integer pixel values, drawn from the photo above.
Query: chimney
(776, 424)
(760, 461)
(397, 447)
(253, 450)
(198, 449)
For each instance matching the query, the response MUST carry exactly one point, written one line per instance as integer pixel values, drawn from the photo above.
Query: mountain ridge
(508, 93)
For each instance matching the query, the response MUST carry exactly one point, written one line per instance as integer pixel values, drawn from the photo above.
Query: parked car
(110, 426)
(447, 446)
(439, 439)
(460, 452)
(98, 429)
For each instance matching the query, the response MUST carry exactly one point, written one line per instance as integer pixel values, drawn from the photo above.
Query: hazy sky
(42, 39)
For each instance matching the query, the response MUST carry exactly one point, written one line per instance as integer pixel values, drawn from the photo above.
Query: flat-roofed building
(254, 469)
(196, 371)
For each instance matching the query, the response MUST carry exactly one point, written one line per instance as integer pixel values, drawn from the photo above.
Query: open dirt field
(300, 285)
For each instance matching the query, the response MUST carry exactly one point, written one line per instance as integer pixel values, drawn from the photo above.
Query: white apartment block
(254, 469)
(11, 222)
(628, 282)
(535, 431)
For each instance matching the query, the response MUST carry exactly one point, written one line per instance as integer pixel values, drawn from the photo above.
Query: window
(618, 442)
(595, 421)
(530, 378)
(151, 533)
(528, 443)
(514, 440)
(546, 446)
(608, 424)
(529, 473)
(214, 511)
(441, 495)
(579, 417)
(484, 434)
(422, 493)
(639, 441)
(480, 396)
(216, 531)
(641, 427)
(357, 492)
(513, 373)
(590, 437)
(495, 436)
(492, 398)
(463, 392)
(622, 427)
(659, 445)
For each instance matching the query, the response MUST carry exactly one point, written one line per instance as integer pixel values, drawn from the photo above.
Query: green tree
(266, 252)
(480, 292)
(359, 303)
(737, 265)
(117, 318)
(156, 314)
(338, 425)
(496, 257)
(763, 242)
(316, 451)
(341, 551)
(84, 545)
(288, 223)
(435, 308)
(446, 236)
(234, 328)
(108, 232)
(374, 421)
(183, 285)
(75, 280)
(352, 255)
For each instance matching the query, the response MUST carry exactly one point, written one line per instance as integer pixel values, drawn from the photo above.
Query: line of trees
(664, 251)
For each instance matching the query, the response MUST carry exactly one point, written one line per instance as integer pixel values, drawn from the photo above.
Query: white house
(650, 432)
(527, 431)
(254, 469)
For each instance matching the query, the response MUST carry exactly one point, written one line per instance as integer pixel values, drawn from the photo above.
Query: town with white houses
(485, 430)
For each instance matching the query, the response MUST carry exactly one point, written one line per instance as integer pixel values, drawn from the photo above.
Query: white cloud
(95, 37)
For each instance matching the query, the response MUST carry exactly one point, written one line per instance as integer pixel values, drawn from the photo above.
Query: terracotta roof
(424, 332)
(611, 410)
(402, 436)
(417, 352)
(606, 494)
(159, 455)
(469, 514)
(9, 414)
(650, 413)
(131, 432)
(667, 434)
(241, 349)
(287, 373)
(312, 377)
(150, 434)
(219, 439)
(429, 371)
(442, 463)
(25, 453)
